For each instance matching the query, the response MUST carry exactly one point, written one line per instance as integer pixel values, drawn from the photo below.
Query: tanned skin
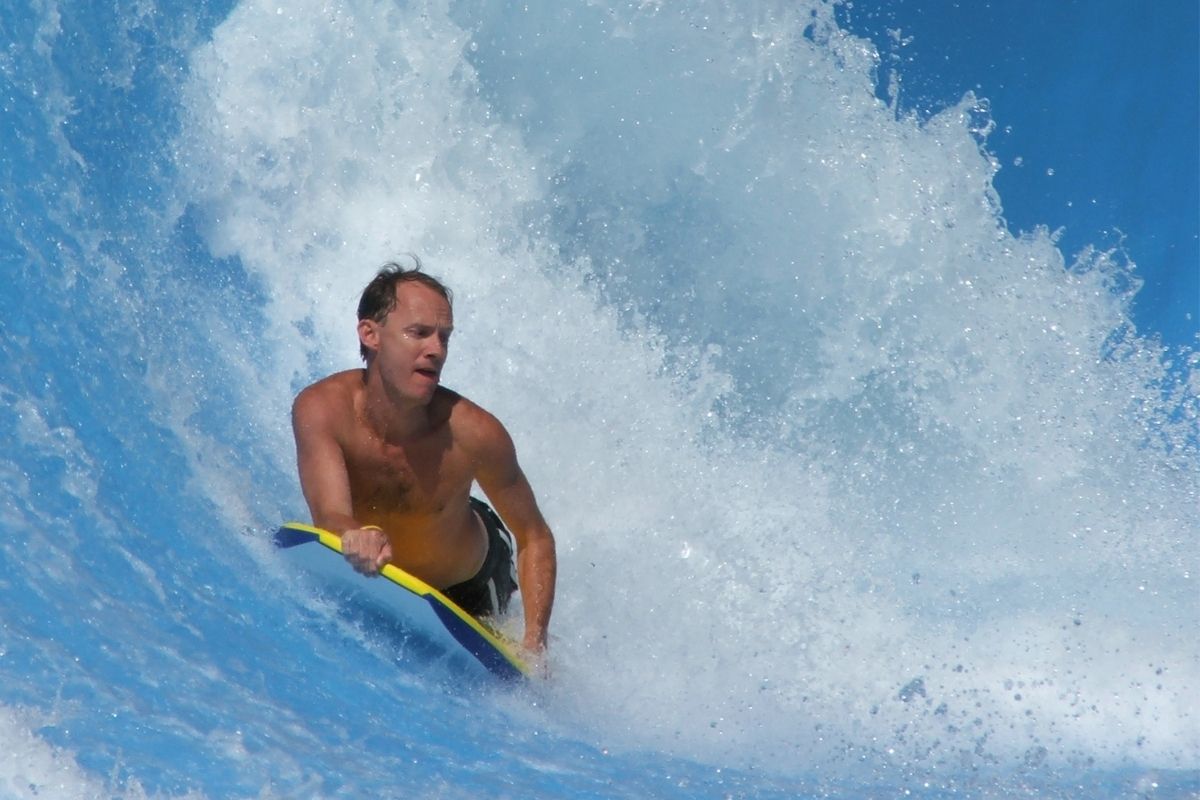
(388, 446)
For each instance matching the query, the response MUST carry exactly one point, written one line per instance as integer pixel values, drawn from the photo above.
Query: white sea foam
(840, 467)
(31, 767)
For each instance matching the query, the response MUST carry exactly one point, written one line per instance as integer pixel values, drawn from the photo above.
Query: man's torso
(417, 491)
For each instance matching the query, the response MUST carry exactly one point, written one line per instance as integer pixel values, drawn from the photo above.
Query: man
(387, 457)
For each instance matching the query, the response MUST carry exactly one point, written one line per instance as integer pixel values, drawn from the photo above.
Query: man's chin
(426, 392)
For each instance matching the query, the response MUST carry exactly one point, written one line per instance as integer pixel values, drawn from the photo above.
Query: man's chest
(422, 477)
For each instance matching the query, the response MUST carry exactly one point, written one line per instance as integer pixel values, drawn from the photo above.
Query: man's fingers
(367, 550)
(385, 556)
(536, 660)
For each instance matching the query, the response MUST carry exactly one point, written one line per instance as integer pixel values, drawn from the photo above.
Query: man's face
(411, 345)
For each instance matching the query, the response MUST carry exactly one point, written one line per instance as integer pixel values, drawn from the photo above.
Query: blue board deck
(318, 552)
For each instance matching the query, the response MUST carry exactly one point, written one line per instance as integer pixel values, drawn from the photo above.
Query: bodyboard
(318, 552)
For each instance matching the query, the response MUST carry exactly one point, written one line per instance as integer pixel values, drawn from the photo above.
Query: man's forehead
(417, 300)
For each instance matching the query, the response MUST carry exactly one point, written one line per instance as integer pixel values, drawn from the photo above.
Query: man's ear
(368, 334)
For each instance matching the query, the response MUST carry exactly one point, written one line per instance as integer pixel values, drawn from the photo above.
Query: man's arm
(501, 478)
(326, 483)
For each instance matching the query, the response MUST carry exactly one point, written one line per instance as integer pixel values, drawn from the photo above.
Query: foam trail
(841, 468)
(32, 768)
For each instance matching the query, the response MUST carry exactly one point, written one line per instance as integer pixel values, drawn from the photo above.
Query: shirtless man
(387, 457)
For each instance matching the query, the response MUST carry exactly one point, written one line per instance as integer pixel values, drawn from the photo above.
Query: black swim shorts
(487, 594)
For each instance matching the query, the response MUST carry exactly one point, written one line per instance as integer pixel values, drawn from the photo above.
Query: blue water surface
(1096, 108)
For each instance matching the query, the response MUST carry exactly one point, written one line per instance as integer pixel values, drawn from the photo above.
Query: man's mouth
(432, 374)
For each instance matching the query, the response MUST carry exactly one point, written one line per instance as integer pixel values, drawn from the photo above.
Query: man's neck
(387, 415)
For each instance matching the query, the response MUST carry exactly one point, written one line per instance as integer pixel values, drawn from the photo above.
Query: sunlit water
(856, 492)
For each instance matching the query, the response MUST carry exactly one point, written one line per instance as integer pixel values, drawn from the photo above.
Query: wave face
(853, 487)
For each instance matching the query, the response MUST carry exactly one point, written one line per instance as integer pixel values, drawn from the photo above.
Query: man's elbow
(539, 540)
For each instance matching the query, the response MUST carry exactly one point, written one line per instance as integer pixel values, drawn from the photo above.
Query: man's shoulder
(471, 422)
(465, 415)
(343, 382)
(329, 393)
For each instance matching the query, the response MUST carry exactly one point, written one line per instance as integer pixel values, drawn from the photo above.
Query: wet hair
(379, 298)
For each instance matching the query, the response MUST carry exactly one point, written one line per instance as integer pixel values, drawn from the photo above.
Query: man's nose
(436, 348)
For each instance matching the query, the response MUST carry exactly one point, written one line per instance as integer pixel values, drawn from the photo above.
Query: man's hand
(534, 643)
(367, 549)
(533, 653)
